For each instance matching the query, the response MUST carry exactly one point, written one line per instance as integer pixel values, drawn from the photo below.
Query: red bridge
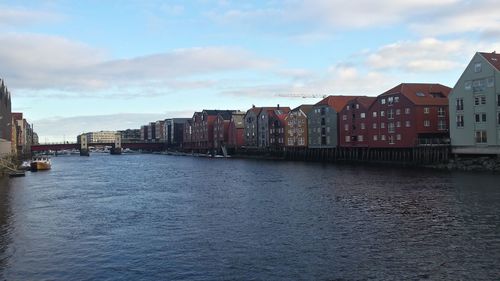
(149, 146)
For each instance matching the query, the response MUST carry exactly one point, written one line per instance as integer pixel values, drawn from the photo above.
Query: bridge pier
(84, 148)
(117, 147)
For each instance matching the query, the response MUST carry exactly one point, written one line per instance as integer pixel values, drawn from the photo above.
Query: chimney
(253, 105)
(278, 107)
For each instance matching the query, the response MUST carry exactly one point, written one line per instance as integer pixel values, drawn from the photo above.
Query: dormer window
(420, 94)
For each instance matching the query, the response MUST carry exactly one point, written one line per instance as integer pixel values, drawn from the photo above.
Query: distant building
(187, 136)
(35, 138)
(5, 120)
(355, 122)
(130, 135)
(264, 123)
(277, 124)
(152, 132)
(174, 131)
(236, 130)
(409, 115)
(474, 105)
(101, 137)
(160, 133)
(22, 134)
(203, 126)
(323, 121)
(144, 132)
(296, 133)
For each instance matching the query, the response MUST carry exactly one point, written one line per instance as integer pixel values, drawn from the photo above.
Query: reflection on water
(157, 217)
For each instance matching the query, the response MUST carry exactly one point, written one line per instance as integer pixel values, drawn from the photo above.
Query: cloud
(41, 62)
(67, 128)
(482, 16)
(425, 55)
(15, 16)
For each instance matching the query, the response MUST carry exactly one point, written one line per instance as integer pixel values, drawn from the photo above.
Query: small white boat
(40, 163)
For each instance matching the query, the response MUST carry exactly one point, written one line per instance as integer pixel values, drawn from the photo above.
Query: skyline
(75, 67)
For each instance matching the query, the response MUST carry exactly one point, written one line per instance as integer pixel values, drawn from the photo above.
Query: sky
(80, 66)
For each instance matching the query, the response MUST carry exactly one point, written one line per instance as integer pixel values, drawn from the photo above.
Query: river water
(157, 217)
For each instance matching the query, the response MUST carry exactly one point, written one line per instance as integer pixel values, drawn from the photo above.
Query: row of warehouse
(408, 115)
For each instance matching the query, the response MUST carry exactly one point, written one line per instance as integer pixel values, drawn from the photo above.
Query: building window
(407, 124)
(375, 137)
(327, 129)
(441, 125)
(390, 114)
(346, 127)
(407, 110)
(362, 126)
(490, 82)
(477, 67)
(396, 99)
(498, 100)
(362, 115)
(426, 110)
(382, 137)
(427, 123)
(398, 111)
(481, 137)
(479, 100)
(468, 85)
(398, 124)
(390, 127)
(360, 138)
(390, 100)
(460, 121)
(382, 101)
(344, 117)
(382, 125)
(347, 138)
(374, 114)
(459, 103)
(374, 125)
(382, 113)
(398, 137)
(441, 112)
(391, 139)
(322, 121)
(498, 118)
(480, 117)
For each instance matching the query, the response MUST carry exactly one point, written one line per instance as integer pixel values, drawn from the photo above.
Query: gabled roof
(492, 58)
(226, 115)
(306, 108)
(365, 101)
(239, 120)
(336, 102)
(213, 112)
(422, 93)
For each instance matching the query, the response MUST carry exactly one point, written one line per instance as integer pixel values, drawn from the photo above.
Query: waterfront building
(152, 132)
(160, 133)
(36, 140)
(354, 122)
(322, 121)
(409, 115)
(21, 134)
(251, 130)
(144, 132)
(277, 124)
(236, 130)
(174, 131)
(203, 125)
(264, 123)
(131, 135)
(187, 136)
(5, 120)
(101, 137)
(296, 126)
(474, 105)
(221, 128)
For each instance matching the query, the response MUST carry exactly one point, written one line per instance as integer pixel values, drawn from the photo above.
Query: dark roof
(492, 58)
(336, 102)
(422, 93)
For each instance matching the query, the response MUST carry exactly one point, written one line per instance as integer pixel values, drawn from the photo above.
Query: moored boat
(40, 163)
